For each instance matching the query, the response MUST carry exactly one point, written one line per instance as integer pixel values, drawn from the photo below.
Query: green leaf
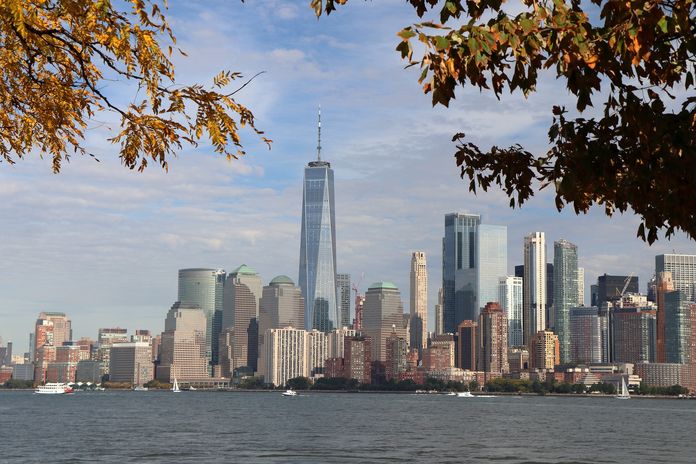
(406, 34)
(441, 43)
(451, 7)
(662, 23)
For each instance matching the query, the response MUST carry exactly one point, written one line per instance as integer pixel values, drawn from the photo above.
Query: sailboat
(175, 387)
(623, 393)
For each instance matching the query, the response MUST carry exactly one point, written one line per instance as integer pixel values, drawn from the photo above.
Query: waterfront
(202, 427)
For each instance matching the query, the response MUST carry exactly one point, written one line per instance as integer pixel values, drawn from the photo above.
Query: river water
(223, 427)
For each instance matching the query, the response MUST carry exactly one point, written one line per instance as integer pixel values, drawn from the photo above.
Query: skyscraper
(285, 355)
(633, 335)
(281, 305)
(584, 336)
(241, 312)
(474, 257)
(683, 269)
(419, 301)
(581, 286)
(204, 288)
(679, 328)
(534, 294)
(565, 292)
(543, 350)
(493, 339)
(183, 349)
(665, 284)
(439, 314)
(609, 288)
(467, 345)
(318, 245)
(344, 300)
(510, 298)
(383, 312)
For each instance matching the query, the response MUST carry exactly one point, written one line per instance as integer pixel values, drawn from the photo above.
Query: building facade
(285, 355)
(510, 298)
(585, 336)
(419, 301)
(183, 351)
(204, 288)
(344, 298)
(544, 350)
(242, 294)
(683, 269)
(467, 346)
(383, 314)
(534, 285)
(132, 363)
(318, 246)
(565, 293)
(634, 335)
(493, 339)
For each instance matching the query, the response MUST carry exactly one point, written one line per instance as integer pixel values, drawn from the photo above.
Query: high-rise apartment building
(317, 352)
(383, 311)
(204, 288)
(585, 336)
(419, 301)
(439, 314)
(565, 292)
(474, 257)
(51, 328)
(683, 269)
(183, 352)
(131, 363)
(634, 335)
(357, 359)
(581, 286)
(543, 350)
(493, 339)
(397, 351)
(467, 345)
(665, 285)
(534, 285)
(318, 245)
(510, 298)
(106, 337)
(243, 290)
(344, 298)
(336, 340)
(285, 355)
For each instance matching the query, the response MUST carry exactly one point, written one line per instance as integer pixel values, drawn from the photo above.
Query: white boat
(140, 388)
(466, 394)
(175, 387)
(290, 392)
(623, 393)
(53, 389)
(192, 389)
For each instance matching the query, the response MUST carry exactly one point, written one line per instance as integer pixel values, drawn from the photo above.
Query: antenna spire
(319, 136)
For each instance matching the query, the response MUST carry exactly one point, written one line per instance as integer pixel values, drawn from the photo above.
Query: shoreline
(382, 392)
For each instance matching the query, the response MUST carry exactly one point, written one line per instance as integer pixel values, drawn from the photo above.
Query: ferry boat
(54, 389)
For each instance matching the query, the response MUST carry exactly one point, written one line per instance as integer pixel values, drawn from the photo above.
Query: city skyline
(103, 244)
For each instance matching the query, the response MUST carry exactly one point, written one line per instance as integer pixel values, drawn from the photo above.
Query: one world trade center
(318, 245)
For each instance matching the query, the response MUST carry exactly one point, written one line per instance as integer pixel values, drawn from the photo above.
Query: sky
(103, 244)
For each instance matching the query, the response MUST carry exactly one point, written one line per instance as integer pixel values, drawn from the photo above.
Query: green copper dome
(384, 285)
(244, 270)
(282, 280)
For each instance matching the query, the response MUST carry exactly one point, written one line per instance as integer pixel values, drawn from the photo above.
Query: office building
(336, 341)
(318, 246)
(581, 286)
(344, 298)
(474, 257)
(107, 337)
(204, 288)
(419, 301)
(383, 312)
(683, 269)
(665, 285)
(439, 314)
(609, 288)
(565, 293)
(534, 285)
(131, 363)
(510, 298)
(679, 328)
(183, 351)
(242, 294)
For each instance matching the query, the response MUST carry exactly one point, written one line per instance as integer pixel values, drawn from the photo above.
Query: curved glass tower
(318, 246)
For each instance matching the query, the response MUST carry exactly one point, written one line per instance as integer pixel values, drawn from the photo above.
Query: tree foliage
(636, 57)
(57, 60)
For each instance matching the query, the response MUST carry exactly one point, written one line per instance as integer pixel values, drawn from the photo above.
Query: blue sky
(104, 244)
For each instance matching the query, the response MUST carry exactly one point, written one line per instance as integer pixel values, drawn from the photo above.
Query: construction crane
(359, 300)
(623, 290)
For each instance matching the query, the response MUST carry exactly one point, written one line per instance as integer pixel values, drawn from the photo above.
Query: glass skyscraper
(318, 246)
(204, 288)
(474, 257)
(534, 285)
(510, 298)
(683, 269)
(565, 294)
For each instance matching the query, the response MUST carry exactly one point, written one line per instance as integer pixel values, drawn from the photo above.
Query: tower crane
(359, 299)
